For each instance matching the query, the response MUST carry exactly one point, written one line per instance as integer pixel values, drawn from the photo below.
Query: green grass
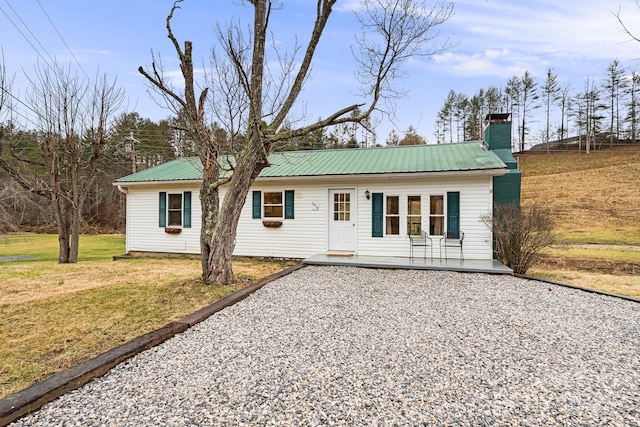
(603, 236)
(44, 247)
(53, 316)
(595, 253)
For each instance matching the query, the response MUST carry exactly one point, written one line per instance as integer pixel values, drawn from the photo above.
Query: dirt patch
(592, 265)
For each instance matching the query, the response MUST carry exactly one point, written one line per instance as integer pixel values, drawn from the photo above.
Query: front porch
(417, 263)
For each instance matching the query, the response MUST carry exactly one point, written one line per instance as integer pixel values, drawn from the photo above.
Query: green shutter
(186, 209)
(257, 205)
(453, 214)
(377, 215)
(162, 210)
(288, 204)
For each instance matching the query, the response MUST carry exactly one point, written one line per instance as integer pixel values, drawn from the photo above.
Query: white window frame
(169, 210)
(387, 215)
(265, 205)
(409, 215)
(442, 215)
(343, 214)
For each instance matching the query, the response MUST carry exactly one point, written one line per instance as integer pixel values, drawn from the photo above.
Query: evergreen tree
(411, 137)
(551, 95)
(613, 85)
(393, 139)
(529, 102)
(633, 89)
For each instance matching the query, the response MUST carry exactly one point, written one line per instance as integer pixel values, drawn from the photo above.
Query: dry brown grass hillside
(595, 199)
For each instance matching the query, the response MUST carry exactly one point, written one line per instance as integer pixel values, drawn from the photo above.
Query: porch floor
(416, 263)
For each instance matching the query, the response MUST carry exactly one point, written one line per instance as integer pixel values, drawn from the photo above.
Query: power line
(23, 34)
(62, 38)
(19, 113)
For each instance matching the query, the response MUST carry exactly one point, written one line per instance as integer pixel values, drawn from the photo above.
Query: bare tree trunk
(210, 202)
(62, 226)
(218, 268)
(76, 224)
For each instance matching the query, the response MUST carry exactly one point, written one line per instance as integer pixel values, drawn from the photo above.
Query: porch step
(342, 254)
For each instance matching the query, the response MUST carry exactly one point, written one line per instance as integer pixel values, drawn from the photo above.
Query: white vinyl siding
(302, 237)
(307, 234)
(143, 232)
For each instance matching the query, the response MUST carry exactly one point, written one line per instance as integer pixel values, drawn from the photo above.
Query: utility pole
(132, 151)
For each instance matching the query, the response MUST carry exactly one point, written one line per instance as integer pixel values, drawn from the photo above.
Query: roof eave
(163, 182)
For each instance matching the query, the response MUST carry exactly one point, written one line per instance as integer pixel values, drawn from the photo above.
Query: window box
(272, 224)
(172, 230)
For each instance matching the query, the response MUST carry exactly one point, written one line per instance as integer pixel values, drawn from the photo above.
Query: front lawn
(53, 316)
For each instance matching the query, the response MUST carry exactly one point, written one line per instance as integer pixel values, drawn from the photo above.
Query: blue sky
(496, 39)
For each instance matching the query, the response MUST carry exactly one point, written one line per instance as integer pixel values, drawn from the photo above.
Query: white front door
(342, 220)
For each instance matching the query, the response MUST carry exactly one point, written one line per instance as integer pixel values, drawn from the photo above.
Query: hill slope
(596, 196)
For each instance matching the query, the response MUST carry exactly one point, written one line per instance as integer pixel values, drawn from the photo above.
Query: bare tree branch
(622, 24)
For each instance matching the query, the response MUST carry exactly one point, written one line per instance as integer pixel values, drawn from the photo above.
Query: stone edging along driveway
(30, 399)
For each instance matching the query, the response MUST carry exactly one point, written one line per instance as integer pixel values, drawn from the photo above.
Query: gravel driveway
(351, 346)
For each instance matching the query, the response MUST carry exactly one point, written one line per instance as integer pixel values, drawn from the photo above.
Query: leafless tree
(520, 233)
(72, 118)
(256, 100)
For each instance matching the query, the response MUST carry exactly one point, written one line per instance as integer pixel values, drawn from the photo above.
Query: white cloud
(499, 38)
(102, 52)
(491, 62)
(566, 30)
(349, 6)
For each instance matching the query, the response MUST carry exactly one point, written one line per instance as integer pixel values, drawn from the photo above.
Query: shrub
(520, 233)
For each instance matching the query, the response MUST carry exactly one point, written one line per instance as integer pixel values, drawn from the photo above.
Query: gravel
(352, 346)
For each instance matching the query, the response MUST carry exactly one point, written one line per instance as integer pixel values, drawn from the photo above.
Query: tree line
(600, 111)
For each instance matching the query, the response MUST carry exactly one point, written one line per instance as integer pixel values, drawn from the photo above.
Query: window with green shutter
(174, 209)
(273, 205)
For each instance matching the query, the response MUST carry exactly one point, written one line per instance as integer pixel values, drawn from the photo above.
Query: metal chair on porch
(420, 240)
(452, 239)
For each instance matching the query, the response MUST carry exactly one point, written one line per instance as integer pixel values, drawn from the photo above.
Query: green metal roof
(467, 156)
(184, 169)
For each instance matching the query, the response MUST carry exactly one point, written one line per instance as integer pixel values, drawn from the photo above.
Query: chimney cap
(498, 118)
